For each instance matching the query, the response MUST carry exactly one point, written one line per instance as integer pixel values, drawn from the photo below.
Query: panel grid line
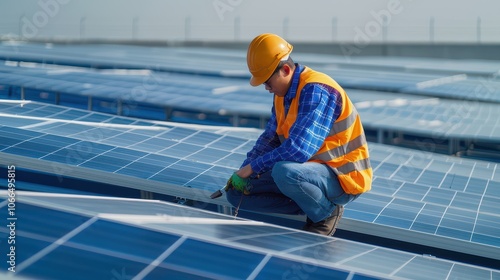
(160, 259)
(478, 212)
(382, 162)
(132, 162)
(97, 155)
(442, 217)
(259, 267)
(423, 170)
(54, 245)
(383, 208)
(305, 246)
(494, 172)
(449, 272)
(416, 216)
(24, 141)
(400, 167)
(446, 174)
(166, 167)
(469, 176)
(402, 266)
(198, 175)
(356, 256)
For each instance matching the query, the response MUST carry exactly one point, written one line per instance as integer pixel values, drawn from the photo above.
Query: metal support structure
(380, 136)
(453, 145)
(236, 120)
(89, 103)
(390, 137)
(398, 137)
(119, 107)
(225, 209)
(168, 113)
(146, 195)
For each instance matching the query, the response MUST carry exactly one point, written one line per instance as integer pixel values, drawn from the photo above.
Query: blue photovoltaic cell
(278, 268)
(82, 264)
(469, 201)
(225, 261)
(391, 260)
(29, 248)
(34, 220)
(493, 189)
(406, 174)
(412, 191)
(477, 186)
(133, 242)
(419, 269)
(439, 196)
(489, 204)
(387, 186)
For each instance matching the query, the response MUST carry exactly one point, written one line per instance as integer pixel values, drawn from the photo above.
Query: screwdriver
(217, 193)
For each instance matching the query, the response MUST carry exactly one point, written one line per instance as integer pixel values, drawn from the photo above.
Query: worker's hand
(238, 183)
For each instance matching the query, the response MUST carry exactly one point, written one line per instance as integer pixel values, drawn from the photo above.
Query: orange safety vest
(345, 148)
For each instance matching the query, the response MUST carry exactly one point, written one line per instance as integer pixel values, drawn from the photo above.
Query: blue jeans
(294, 188)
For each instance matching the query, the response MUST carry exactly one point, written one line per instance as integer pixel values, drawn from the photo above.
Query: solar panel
(136, 94)
(451, 124)
(81, 237)
(459, 87)
(223, 60)
(420, 197)
(469, 80)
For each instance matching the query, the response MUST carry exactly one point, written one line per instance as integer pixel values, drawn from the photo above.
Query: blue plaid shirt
(319, 108)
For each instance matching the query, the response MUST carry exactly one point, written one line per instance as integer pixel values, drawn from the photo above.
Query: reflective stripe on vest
(339, 151)
(345, 149)
(345, 123)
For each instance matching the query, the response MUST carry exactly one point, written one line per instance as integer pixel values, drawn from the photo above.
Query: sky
(241, 20)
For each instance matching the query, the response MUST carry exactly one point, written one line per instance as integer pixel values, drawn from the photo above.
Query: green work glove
(238, 183)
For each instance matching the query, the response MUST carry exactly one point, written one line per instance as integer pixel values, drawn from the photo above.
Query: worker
(312, 157)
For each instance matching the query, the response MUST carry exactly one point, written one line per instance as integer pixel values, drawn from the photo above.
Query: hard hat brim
(257, 81)
(264, 55)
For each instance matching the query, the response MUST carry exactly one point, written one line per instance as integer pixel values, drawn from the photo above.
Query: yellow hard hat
(264, 54)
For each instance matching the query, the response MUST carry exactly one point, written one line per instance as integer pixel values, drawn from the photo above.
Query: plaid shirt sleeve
(266, 142)
(319, 107)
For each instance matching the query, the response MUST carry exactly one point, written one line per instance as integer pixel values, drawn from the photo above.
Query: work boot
(327, 226)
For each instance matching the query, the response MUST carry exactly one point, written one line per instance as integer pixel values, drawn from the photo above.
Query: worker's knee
(285, 173)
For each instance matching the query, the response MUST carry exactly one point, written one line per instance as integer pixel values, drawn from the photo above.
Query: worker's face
(279, 82)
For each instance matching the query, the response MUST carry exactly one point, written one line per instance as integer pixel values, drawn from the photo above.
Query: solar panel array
(465, 80)
(231, 60)
(451, 201)
(432, 117)
(232, 102)
(75, 237)
(418, 196)
(145, 94)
